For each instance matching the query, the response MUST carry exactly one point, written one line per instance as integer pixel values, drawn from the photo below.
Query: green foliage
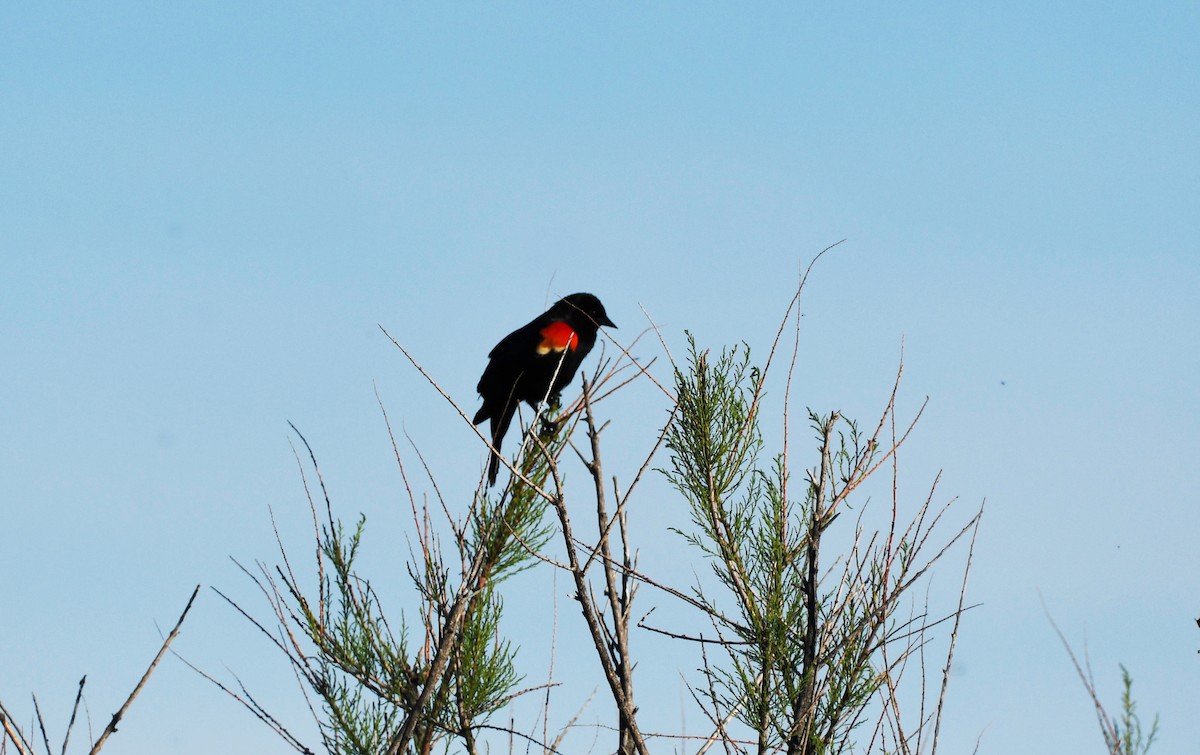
(366, 677)
(803, 647)
(1127, 737)
(362, 668)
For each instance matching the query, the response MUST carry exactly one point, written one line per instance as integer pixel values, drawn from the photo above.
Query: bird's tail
(499, 426)
(493, 469)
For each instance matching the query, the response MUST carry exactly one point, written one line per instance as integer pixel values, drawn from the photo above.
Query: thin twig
(112, 725)
(250, 704)
(1108, 727)
(74, 711)
(37, 712)
(13, 733)
(962, 594)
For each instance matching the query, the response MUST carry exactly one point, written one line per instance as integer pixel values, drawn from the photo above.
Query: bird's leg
(551, 422)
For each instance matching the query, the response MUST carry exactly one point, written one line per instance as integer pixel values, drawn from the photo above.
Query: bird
(535, 362)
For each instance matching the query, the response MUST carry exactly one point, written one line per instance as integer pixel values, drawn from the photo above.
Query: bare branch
(112, 724)
(14, 734)
(74, 711)
(962, 593)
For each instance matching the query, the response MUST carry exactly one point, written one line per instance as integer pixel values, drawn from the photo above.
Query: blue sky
(206, 212)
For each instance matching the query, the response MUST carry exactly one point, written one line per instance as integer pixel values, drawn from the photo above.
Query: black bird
(536, 361)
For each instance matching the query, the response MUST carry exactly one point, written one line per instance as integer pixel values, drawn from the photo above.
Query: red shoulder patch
(557, 336)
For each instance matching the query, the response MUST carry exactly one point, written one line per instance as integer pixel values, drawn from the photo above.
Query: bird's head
(582, 308)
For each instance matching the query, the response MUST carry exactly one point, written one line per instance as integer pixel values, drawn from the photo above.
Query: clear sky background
(207, 209)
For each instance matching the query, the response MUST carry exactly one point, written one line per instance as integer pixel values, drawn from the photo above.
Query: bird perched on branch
(535, 362)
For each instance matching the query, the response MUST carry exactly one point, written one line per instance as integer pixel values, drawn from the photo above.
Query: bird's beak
(607, 322)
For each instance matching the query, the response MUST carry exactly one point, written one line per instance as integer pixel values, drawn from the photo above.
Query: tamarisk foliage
(811, 640)
(808, 624)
